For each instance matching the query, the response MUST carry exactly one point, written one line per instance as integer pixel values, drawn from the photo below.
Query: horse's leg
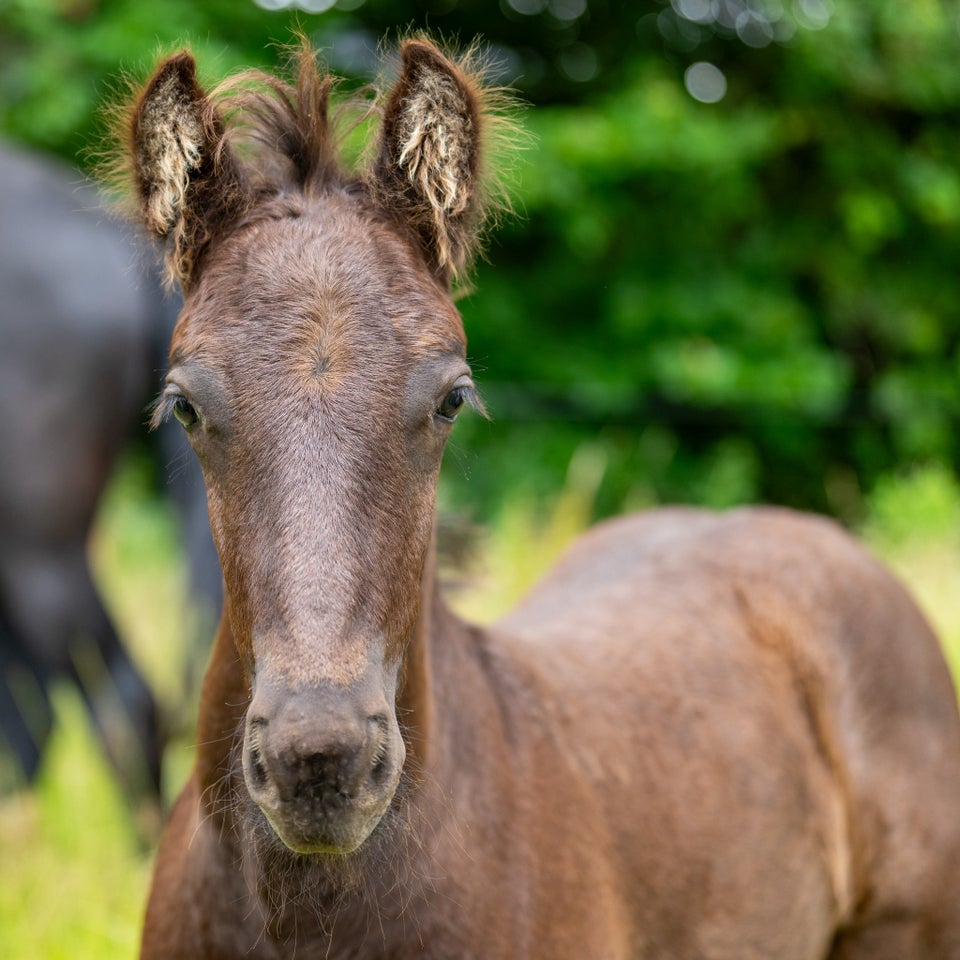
(117, 697)
(119, 703)
(55, 608)
(26, 716)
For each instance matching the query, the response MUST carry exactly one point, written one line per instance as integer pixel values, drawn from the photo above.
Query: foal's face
(318, 369)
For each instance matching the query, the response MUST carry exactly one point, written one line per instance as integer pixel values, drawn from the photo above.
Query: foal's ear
(189, 184)
(428, 159)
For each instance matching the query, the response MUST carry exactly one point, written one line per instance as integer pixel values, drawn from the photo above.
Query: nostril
(379, 726)
(258, 767)
(378, 764)
(379, 771)
(256, 762)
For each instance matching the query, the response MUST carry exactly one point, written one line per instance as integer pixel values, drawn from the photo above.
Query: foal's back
(775, 716)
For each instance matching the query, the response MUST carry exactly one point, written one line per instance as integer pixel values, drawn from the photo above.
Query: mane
(289, 133)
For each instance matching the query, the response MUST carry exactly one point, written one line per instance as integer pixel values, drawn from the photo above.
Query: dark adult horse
(80, 320)
(702, 736)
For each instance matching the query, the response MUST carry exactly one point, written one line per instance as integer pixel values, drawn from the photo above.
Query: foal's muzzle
(322, 764)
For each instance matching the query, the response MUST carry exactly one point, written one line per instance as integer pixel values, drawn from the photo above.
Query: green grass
(914, 524)
(73, 881)
(75, 871)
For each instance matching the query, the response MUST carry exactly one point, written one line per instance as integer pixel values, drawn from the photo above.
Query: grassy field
(75, 867)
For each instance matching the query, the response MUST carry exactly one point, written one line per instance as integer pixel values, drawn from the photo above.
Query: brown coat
(702, 736)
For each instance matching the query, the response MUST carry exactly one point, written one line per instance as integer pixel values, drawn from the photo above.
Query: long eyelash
(472, 397)
(161, 410)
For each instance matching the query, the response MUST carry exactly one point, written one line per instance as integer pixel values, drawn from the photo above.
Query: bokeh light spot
(699, 11)
(813, 14)
(578, 63)
(529, 8)
(754, 29)
(705, 82)
(568, 10)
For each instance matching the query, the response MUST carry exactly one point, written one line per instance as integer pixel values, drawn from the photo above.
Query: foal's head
(318, 367)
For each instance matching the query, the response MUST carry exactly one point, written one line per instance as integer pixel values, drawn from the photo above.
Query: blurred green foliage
(737, 300)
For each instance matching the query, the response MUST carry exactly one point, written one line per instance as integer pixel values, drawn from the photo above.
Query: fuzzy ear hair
(428, 160)
(189, 184)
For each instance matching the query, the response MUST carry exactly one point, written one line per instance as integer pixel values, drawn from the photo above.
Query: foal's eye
(451, 404)
(185, 413)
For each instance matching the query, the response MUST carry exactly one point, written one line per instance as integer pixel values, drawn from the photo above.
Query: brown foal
(702, 736)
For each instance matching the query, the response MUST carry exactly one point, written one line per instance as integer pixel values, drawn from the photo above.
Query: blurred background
(731, 278)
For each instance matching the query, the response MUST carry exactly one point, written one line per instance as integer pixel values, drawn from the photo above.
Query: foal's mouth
(309, 827)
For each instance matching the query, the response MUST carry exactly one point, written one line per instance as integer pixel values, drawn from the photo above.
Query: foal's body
(663, 712)
(718, 737)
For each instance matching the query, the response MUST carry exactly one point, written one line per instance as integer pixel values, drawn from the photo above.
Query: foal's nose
(313, 750)
(323, 764)
(328, 762)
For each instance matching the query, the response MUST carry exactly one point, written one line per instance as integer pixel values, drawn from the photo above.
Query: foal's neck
(223, 702)
(438, 683)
